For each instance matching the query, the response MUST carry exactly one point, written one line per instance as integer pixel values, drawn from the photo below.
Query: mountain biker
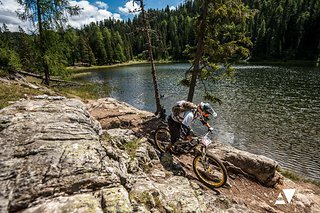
(180, 122)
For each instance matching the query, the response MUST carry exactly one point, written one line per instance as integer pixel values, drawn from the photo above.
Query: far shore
(84, 68)
(135, 62)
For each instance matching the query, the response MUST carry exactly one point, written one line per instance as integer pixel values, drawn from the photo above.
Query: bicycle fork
(204, 158)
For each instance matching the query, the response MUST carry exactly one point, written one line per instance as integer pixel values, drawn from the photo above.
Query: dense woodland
(279, 30)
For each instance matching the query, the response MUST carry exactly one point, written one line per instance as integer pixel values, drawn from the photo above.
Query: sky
(92, 11)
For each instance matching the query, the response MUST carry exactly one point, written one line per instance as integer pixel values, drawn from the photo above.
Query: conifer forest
(278, 30)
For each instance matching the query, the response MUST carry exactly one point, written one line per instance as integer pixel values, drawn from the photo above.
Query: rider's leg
(174, 128)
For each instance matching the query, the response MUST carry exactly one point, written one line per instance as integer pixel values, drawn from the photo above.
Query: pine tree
(71, 48)
(47, 15)
(97, 44)
(146, 29)
(107, 45)
(219, 41)
(86, 54)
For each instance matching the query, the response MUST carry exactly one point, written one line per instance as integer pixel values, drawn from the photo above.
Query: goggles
(205, 114)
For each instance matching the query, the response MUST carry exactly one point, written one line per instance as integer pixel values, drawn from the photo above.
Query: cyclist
(182, 116)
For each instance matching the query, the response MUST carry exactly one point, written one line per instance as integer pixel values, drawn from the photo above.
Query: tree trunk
(318, 57)
(318, 47)
(200, 46)
(153, 67)
(42, 47)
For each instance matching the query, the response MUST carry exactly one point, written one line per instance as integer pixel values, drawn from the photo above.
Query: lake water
(273, 111)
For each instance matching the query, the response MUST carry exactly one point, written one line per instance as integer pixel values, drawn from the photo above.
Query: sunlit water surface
(273, 111)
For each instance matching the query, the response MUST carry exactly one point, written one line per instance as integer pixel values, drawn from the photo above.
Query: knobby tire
(216, 180)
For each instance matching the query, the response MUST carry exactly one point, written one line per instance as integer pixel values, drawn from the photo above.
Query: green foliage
(210, 97)
(108, 45)
(97, 46)
(47, 15)
(9, 59)
(28, 51)
(285, 29)
(295, 177)
(86, 91)
(131, 148)
(54, 56)
(3, 73)
(53, 13)
(221, 38)
(226, 39)
(289, 174)
(71, 50)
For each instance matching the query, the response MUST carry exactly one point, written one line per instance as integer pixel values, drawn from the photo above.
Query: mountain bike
(207, 167)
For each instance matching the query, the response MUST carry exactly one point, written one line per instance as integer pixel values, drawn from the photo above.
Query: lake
(268, 110)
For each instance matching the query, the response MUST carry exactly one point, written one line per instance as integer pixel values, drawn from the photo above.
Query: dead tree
(147, 31)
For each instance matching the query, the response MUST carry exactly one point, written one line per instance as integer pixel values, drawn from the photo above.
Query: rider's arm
(205, 123)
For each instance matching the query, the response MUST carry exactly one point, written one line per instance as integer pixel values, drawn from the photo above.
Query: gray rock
(54, 158)
(116, 199)
(82, 203)
(112, 113)
(258, 167)
(174, 195)
(48, 97)
(51, 147)
(122, 135)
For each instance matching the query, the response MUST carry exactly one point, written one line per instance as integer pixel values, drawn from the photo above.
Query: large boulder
(112, 113)
(258, 167)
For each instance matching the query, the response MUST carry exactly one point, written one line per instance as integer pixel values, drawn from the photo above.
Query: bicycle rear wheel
(162, 138)
(210, 170)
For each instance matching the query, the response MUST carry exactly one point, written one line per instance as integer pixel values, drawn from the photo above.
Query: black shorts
(175, 129)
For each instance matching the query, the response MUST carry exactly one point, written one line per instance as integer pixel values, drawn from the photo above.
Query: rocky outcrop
(112, 113)
(51, 148)
(56, 157)
(258, 167)
(53, 158)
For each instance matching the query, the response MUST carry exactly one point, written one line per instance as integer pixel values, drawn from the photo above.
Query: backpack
(182, 106)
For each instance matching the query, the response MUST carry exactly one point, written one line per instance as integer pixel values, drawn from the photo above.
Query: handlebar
(196, 137)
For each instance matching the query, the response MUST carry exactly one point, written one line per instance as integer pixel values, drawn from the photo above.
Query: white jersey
(185, 118)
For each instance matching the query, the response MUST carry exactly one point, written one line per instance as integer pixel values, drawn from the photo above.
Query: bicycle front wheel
(162, 138)
(210, 170)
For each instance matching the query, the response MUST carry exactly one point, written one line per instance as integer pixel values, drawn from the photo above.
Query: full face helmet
(205, 110)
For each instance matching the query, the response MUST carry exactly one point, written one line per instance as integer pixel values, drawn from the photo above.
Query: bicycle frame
(203, 148)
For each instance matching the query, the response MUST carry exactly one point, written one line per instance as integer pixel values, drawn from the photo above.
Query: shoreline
(9, 86)
(299, 63)
(134, 62)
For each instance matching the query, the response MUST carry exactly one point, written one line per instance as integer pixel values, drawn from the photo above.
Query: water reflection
(266, 110)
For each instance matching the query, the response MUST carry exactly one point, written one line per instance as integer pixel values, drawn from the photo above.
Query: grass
(85, 92)
(131, 148)
(295, 177)
(3, 73)
(72, 69)
(84, 69)
(14, 92)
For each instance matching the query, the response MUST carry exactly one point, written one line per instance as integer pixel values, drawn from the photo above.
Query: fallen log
(52, 79)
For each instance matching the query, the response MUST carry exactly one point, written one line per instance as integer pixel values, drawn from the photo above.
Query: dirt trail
(242, 190)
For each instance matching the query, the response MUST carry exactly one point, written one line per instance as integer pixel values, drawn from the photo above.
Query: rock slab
(49, 148)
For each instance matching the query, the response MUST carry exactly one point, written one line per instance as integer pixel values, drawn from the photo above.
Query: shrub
(9, 59)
